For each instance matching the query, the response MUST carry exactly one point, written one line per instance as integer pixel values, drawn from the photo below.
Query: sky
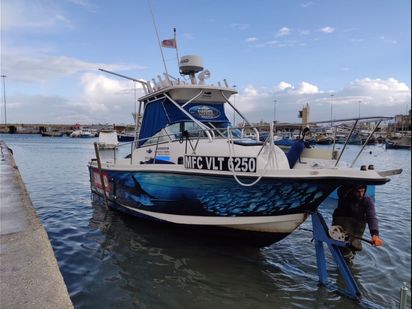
(343, 58)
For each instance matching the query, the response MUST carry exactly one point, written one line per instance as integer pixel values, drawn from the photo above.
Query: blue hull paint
(200, 195)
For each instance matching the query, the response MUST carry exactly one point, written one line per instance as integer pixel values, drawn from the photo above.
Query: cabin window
(176, 129)
(160, 137)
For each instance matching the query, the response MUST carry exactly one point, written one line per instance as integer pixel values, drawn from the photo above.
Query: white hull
(270, 224)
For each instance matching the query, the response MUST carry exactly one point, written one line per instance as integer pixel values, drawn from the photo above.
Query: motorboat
(125, 137)
(191, 167)
(84, 133)
(53, 133)
(324, 139)
(398, 141)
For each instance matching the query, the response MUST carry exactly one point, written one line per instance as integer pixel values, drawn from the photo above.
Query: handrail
(172, 139)
(344, 120)
(366, 142)
(346, 142)
(272, 144)
(243, 117)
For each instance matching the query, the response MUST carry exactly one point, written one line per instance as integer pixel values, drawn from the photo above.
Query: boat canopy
(161, 113)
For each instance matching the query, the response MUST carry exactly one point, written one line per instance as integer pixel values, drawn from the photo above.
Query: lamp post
(4, 98)
(331, 109)
(274, 110)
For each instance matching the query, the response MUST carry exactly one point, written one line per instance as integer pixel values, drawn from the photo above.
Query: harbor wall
(29, 273)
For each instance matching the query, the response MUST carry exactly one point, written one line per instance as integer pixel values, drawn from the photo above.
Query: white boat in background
(84, 133)
(54, 133)
(191, 167)
(75, 133)
(108, 139)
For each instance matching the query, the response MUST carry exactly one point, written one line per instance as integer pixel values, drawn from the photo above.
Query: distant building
(401, 123)
(304, 114)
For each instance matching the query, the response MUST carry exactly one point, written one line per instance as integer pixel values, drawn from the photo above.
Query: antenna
(157, 35)
(177, 54)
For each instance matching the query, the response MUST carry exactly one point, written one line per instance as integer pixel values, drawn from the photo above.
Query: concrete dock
(29, 273)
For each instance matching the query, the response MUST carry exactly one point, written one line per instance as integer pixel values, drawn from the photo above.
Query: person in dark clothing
(293, 155)
(355, 209)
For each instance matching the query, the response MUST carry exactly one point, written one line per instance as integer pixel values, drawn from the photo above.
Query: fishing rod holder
(321, 237)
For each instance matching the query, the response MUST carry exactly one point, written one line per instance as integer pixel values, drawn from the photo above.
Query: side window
(175, 130)
(159, 137)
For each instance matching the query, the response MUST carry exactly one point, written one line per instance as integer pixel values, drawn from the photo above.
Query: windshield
(174, 131)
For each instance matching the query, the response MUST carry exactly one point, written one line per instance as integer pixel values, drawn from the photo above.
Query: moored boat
(125, 137)
(52, 133)
(323, 139)
(403, 142)
(84, 133)
(191, 167)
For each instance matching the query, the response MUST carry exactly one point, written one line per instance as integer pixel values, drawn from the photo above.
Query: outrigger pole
(157, 35)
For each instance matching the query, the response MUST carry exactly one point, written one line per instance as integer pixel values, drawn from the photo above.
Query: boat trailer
(321, 236)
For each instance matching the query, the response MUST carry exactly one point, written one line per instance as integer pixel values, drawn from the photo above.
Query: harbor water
(108, 259)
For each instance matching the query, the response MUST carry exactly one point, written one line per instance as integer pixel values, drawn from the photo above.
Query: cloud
(307, 88)
(102, 94)
(83, 3)
(378, 97)
(33, 65)
(307, 4)
(303, 88)
(32, 15)
(283, 86)
(388, 92)
(327, 29)
(251, 40)
(284, 31)
(101, 100)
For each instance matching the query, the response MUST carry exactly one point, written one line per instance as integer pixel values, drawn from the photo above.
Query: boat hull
(272, 206)
(202, 233)
(125, 138)
(394, 145)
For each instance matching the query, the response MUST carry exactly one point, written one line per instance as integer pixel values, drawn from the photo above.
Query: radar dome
(190, 64)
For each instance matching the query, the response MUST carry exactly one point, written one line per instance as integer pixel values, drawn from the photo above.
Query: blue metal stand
(321, 235)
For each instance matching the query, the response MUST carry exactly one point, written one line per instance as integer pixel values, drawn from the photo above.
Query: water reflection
(161, 267)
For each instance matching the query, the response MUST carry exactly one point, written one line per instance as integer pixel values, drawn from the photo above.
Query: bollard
(403, 297)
